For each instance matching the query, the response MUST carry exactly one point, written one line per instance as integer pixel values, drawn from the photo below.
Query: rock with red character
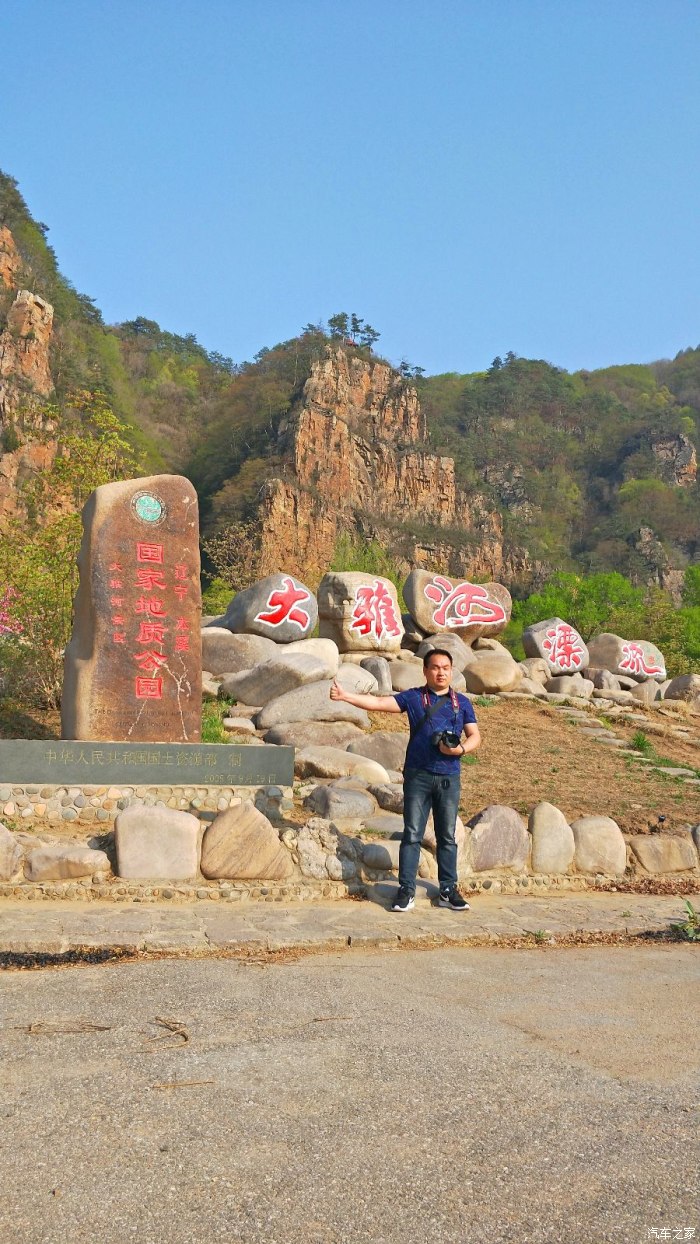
(471, 610)
(633, 658)
(279, 607)
(559, 644)
(360, 612)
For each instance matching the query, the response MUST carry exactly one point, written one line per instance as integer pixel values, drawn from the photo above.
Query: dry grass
(531, 752)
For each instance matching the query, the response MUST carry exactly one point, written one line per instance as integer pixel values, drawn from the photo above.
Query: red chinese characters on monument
(462, 603)
(285, 604)
(375, 612)
(129, 673)
(636, 661)
(564, 647)
(156, 627)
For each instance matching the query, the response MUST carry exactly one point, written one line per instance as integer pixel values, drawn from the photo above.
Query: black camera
(448, 737)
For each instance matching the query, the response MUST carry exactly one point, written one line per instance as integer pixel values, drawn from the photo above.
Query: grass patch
(645, 747)
(484, 701)
(212, 723)
(642, 744)
(688, 930)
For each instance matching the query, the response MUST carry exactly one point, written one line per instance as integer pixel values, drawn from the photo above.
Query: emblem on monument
(149, 508)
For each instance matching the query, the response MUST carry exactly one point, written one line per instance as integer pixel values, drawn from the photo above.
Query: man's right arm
(373, 703)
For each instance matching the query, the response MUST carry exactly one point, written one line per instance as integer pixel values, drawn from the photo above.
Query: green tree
(338, 325)
(590, 604)
(691, 586)
(369, 336)
(39, 545)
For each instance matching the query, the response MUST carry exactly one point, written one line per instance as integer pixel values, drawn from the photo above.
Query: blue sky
(469, 177)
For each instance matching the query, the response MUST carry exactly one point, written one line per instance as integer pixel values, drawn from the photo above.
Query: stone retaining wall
(98, 806)
(303, 889)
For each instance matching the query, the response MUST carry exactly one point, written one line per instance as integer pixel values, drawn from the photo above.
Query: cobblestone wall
(95, 806)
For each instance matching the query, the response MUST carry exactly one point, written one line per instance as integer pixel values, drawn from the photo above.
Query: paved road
(438, 1095)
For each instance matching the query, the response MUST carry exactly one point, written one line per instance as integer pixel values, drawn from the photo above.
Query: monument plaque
(133, 669)
(97, 763)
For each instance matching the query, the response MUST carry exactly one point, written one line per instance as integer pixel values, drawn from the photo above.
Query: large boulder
(498, 839)
(157, 844)
(10, 854)
(380, 669)
(274, 677)
(308, 733)
(570, 685)
(552, 839)
(647, 692)
(341, 804)
(360, 612)
(384, 857)
(406, 674)
(536, 669)
(633, 658)
(323, 649)
(602, 679)
(492, 672)
(557, 643)
(387, 747)
(664, 853)
(323, 851)
(412, 634)
(357, 680)
(600, 847)
(332, 762)
(224, 653)
(439, 604)
(242, 844)
(310, 703)
(461, 654)
(685, 687)
(279, 607)
(385, 824)
(614, 697)
(389, 796)
(64, 861)
(529, 686)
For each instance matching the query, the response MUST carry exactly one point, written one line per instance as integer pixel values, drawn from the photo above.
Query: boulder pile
(351, 835)
(263, 654)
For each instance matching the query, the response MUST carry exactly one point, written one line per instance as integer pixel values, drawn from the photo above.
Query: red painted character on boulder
(461, 603)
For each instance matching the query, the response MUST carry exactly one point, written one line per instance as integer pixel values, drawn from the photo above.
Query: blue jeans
(423, 791)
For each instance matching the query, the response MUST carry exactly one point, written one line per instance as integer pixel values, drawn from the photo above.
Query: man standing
(438, 716)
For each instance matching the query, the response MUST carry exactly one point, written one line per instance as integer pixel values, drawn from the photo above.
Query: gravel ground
(446, 1095)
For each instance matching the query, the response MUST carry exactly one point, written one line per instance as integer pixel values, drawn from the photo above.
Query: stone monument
(133, 670)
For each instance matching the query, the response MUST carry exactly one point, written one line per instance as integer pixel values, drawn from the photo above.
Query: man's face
(438, 673)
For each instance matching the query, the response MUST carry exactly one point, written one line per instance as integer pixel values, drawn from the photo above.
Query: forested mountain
(548, 470)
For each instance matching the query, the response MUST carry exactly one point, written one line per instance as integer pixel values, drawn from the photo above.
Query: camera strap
(432, 709)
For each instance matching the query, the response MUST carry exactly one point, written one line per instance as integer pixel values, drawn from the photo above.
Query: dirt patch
(532, 752)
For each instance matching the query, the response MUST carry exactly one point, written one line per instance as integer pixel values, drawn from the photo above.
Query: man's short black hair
(437, 652)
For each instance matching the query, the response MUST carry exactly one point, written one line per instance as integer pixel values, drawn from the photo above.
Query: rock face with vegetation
(320, 448)
(356, 458)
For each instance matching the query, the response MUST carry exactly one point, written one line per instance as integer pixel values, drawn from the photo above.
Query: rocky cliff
(358, 461)
(25, 377)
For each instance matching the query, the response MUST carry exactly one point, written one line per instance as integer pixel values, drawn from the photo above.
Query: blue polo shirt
(420, 753)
